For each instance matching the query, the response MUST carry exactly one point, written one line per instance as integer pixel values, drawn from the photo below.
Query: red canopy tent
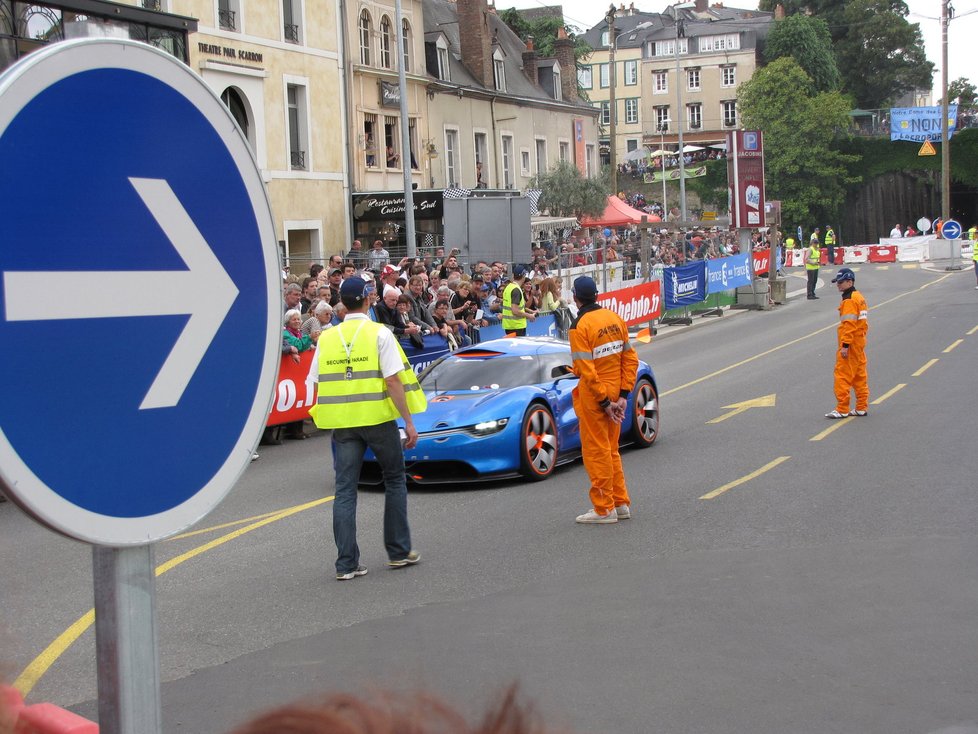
(618, 214)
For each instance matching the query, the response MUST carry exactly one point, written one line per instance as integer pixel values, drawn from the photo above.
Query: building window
(443, 71)
(386, 40)
(589, 159)
(406, 40)
(727, 42)
(507, 161)
(541, 150)
(392, 142)
(298, 143)
(558, 92)
(413, 142)
(604, 75)
(451, 157)
(631, 111)
(693, 80)
(499, 70)
(564, 148)
(291, 15)
(630, 145)
(728, 76)
(631, 73)
(584, 77)
(365, 38)
(660, 82)
(728, 111)
(370, 140)
(695, 116)
(668, 48)
(524, 162)
(239, 111)
(662, 119)
(482, 171)
(605, 38)
(227, 15)
(605, 113)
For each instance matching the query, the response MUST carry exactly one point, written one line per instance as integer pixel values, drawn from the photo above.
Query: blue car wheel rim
(647, 412)
(540, 442)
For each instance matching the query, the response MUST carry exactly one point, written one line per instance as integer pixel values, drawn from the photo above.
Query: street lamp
(613, 103)
(680, 33)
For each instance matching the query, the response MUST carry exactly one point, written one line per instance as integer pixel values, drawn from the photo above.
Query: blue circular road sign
(140, 301)
(951, 229)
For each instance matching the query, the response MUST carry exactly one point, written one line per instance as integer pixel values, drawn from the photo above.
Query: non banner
(921, 123)
(672, 174)
(727, 273)
(636, 305)
(684, 285)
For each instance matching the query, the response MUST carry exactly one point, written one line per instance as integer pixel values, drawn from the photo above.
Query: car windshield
(481, 373)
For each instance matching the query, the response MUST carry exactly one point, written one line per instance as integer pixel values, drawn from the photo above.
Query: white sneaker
(593, 518)
(624, 512)
(860, 413)
(835, 415)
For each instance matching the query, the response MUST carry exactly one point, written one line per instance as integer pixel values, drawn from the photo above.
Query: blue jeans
(349, 446)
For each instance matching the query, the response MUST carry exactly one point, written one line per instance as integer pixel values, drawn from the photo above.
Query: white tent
(691, 148)
(659, 153)
(635, 155)
(721, 146)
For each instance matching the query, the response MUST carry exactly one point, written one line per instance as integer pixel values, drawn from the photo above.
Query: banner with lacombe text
(636, 305)
(684, 285)
(727, 273)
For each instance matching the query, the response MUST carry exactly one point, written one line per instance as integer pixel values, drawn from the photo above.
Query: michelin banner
(727, 273)
(921, 123)
(684, 285)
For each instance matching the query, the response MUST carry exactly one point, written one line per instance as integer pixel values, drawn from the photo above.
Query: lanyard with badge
(349, 348)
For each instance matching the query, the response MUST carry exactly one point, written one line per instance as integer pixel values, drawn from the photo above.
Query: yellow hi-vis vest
(360, 399)
(829, 238)
(812, 262)
(510, 320)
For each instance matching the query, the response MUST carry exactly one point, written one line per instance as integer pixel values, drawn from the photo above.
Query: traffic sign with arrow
(766, 401)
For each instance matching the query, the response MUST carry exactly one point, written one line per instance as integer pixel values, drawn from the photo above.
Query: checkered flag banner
(534, 196)
(429, 240)
(456, 192)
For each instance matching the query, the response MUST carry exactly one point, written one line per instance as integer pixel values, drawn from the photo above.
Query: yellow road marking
(926, 367)
(231, 524)
(953, 345)
(911, 266)
(787, 344)
(39, 666)
(836, 425)
(883, 267)
(889, 393)
(766, 401)
(972, 330)
(737, 482)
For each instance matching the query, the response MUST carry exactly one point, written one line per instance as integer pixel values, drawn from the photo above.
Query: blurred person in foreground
(607, 366)
(365, 385)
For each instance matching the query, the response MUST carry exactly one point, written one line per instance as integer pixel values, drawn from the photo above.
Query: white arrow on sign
(204, 290)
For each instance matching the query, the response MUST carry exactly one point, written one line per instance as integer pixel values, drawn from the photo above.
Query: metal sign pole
(126, 647)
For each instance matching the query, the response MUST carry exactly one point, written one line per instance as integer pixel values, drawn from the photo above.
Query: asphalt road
(833, 590)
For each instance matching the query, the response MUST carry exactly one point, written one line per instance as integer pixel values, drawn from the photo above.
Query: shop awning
(546, 225)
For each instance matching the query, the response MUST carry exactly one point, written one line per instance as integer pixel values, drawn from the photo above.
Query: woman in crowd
(292, 333)
(550, 295)
(531, 295)
(440, 315)
(322, 319)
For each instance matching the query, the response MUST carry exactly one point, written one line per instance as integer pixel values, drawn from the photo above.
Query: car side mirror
(561, 370)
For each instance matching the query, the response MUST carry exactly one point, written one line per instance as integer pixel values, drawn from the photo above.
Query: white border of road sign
(18, 86)
(950, 224)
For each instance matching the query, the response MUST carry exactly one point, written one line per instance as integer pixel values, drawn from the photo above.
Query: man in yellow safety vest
(813, 260)
(514, 315)
(830, 243)
(365, 384)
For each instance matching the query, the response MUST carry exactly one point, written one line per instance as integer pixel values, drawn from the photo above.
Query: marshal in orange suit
(850, 359)
(606, 365)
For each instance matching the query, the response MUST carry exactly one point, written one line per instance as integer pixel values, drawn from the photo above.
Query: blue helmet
(844, 274)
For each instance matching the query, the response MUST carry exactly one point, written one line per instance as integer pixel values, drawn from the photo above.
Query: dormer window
(499, 70)
(605, 38)
(441, 45)
(558, 94)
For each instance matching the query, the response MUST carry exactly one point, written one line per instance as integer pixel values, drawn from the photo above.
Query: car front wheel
(538, 443)
(645, 414)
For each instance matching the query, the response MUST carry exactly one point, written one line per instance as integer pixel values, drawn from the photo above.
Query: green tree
(962, 91)
(567, 193)
(805, 168)
(807, 40)
(544, 32)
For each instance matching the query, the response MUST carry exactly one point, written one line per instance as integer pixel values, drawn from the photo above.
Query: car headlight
(487, 428)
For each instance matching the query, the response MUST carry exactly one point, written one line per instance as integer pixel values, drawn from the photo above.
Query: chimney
(701, 5)
(474, 39)
(779, 12)
(564, 50)
(530, 61)
(631, 9)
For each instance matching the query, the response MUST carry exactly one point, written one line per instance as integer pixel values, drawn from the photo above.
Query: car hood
(466, 407)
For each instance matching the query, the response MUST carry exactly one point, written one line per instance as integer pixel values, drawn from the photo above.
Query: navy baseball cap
(585, 288)
(354, 290)
(844, 274)
(518, 271)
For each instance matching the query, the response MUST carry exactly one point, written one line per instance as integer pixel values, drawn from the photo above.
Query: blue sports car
(503, 408)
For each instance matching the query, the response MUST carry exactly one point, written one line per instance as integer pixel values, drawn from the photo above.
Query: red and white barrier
(857, 254)
(882, 254)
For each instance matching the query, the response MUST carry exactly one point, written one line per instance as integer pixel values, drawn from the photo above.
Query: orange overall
(850, 371)
(607, 366)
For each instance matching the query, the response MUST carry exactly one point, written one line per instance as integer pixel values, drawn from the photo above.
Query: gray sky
(962, 30)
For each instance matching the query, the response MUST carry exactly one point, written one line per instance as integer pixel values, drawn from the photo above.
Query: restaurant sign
(389, 205)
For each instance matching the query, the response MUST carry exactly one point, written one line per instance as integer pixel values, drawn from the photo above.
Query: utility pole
(412, 244)
(613, 77)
